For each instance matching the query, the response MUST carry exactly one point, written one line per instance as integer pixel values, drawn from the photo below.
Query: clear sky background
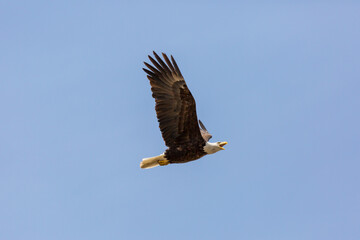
(279, 81)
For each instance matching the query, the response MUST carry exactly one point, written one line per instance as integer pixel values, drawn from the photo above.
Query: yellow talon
(163, 162)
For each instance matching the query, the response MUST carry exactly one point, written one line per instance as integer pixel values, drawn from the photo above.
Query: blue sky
(279, 82)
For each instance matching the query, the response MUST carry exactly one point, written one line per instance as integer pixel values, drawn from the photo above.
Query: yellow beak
(222, 144)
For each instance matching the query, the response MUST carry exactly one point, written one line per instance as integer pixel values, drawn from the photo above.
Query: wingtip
(202, 125)
(155, 54)
(151, 58)
(173, 60)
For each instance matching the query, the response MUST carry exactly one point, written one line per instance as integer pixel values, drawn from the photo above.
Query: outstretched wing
(204, 132)
(175, 106)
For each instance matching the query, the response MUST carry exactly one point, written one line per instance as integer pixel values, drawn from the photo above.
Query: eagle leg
(163, 162)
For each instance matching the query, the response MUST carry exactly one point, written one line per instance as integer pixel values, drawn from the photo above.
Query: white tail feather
(152, 161)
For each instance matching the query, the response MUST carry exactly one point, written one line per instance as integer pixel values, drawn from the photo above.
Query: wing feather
(204, 132)
(168, 62)
(176, 66)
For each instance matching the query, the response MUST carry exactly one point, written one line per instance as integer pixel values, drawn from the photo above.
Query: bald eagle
(176, 112)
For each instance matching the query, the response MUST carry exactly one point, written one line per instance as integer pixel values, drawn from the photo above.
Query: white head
(211, 148)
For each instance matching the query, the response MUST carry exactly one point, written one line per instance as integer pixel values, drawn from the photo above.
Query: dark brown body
(186, 152)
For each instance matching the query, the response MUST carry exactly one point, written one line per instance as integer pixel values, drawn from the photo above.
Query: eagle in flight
(176, 112)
